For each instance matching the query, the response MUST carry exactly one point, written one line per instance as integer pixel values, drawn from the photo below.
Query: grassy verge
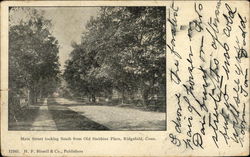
(24, 119)
(155, 106)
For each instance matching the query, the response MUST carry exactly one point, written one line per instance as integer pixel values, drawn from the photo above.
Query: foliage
(33, 58)
(122, 49)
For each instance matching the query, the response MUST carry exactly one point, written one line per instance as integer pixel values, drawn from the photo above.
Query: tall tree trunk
(145, 95)
(32, 96)
(123, 95)
(144, 92)
(93, 97)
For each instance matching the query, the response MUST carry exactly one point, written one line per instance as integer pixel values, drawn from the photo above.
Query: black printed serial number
(13, 151)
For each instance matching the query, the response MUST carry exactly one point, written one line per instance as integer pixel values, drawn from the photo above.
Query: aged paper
(125, 78)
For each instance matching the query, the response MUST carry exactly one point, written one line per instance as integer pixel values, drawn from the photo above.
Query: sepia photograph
(87, 68)
(124, 78)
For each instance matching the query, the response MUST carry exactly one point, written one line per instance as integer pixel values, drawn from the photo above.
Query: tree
(125, 48)
(33, 56)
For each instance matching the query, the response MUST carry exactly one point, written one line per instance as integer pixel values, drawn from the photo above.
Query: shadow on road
(67, 119)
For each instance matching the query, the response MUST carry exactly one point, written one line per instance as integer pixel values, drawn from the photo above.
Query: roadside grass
(154, 106)
(24, 119)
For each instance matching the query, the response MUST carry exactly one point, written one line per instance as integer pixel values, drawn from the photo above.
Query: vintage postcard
(125, 78)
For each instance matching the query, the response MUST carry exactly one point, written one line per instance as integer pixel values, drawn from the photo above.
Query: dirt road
(64, 114)
(117, 118)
